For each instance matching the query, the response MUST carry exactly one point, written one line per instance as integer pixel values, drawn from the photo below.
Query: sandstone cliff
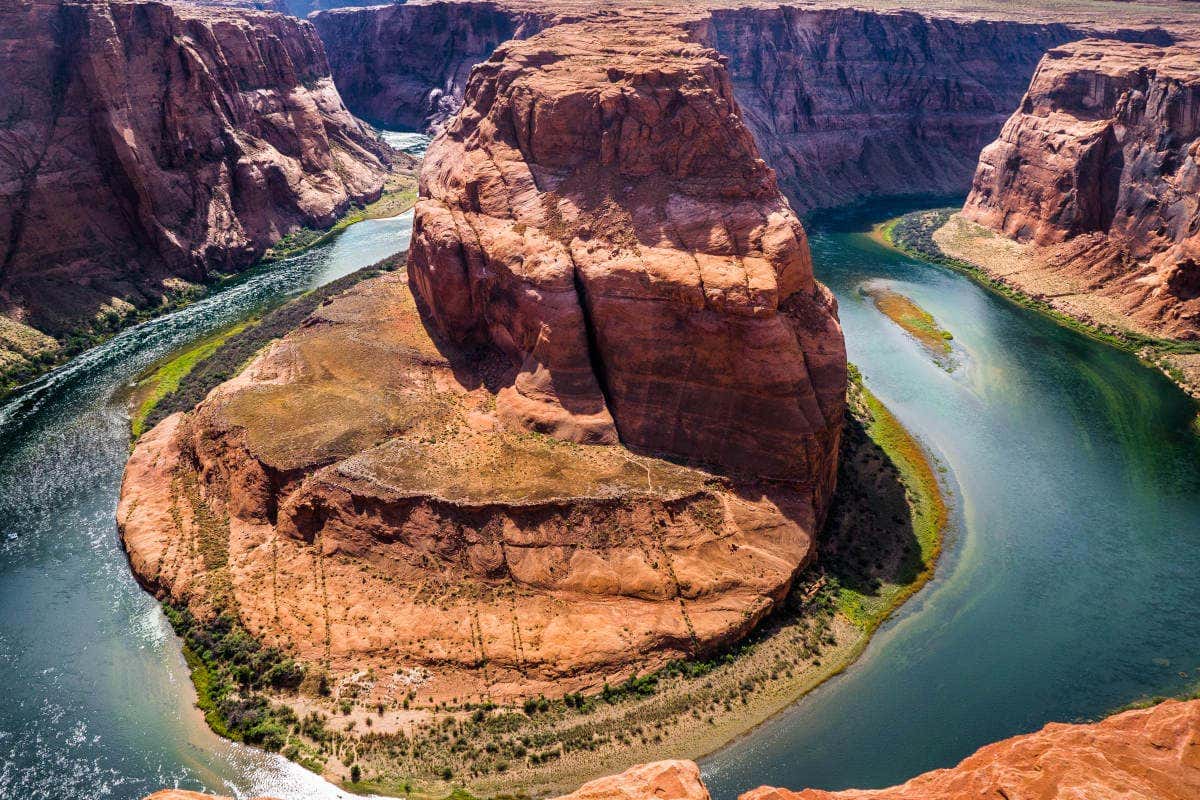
(405, 66)
(1152, 754)
(430, 504)
(848, 104)
(1098, 170)
(143, 142)
(599, 212)
(845, 104)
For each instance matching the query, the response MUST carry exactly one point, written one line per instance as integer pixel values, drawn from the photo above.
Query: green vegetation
(165, 378)
(876, 565)
(913, 319)
(231, 670)
(184, 380)
(912, 234)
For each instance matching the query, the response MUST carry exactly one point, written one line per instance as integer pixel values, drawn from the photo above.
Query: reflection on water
(1072, 586)
(96, 697)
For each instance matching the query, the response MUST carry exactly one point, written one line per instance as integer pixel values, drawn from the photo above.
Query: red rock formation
(820, 88)
(405, 66)
(848, 104)
(404, 518)
(1152, 754)
(1099, 168)
(146, 141)
(599, 212)
(661, 780)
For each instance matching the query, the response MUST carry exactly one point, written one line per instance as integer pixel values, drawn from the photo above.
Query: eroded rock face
(477, 499)
(406, 65)
(147, 141)
(599, 213)
(844, 103)
(1098, 169)
(849, 104)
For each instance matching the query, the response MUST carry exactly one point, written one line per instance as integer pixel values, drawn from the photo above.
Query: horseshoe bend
(554, 463)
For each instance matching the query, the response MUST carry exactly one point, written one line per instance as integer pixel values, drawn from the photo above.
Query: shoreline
(88, 338)
(1154, 352)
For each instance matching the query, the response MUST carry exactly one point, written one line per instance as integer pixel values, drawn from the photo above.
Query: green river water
(1069, 586)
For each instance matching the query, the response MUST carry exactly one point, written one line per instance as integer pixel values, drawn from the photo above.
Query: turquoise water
(1072, 582)
(1070, 586)
(96, 697)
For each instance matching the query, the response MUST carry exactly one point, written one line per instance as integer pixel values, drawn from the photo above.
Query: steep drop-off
(405, 66)
(844, 103)
(1098, 170)
(443, 498)
(142, 143)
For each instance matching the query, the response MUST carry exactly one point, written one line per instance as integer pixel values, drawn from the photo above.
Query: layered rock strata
(1098, 171)
(1151, 754)
(406, 65)
(844, 103)
(453, 500)
(147, 142)
(600, 213)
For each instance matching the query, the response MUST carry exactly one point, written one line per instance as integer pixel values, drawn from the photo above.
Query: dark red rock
(146, 141)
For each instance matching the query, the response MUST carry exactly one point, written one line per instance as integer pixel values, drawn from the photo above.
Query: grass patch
(219, 358)
(165, 378)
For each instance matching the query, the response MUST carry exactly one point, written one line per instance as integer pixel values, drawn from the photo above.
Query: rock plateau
(597, 434)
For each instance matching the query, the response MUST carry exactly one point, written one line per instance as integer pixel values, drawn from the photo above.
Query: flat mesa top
(366, 391)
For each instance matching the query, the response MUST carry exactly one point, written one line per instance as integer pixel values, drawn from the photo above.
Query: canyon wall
(845, 104)
(405, 66)
(143, 142)
(1098, 170)
(848, 104)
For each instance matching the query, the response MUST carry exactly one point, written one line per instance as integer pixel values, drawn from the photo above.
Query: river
(1070, 586)
(96, 696)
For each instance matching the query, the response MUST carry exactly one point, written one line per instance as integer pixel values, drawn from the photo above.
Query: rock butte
(146, 142)
(1098, 169)
(474, 502)
(1148, 754)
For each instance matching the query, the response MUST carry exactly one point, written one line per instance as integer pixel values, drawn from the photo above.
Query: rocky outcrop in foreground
(1098, 170)
(1151, 754)
(148, 142)
(606, 443)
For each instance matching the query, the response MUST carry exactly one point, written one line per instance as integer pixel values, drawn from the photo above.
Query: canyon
(588, 429)
(1097, 172)
(845, 104)
(1147, 754)
(132, 172)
